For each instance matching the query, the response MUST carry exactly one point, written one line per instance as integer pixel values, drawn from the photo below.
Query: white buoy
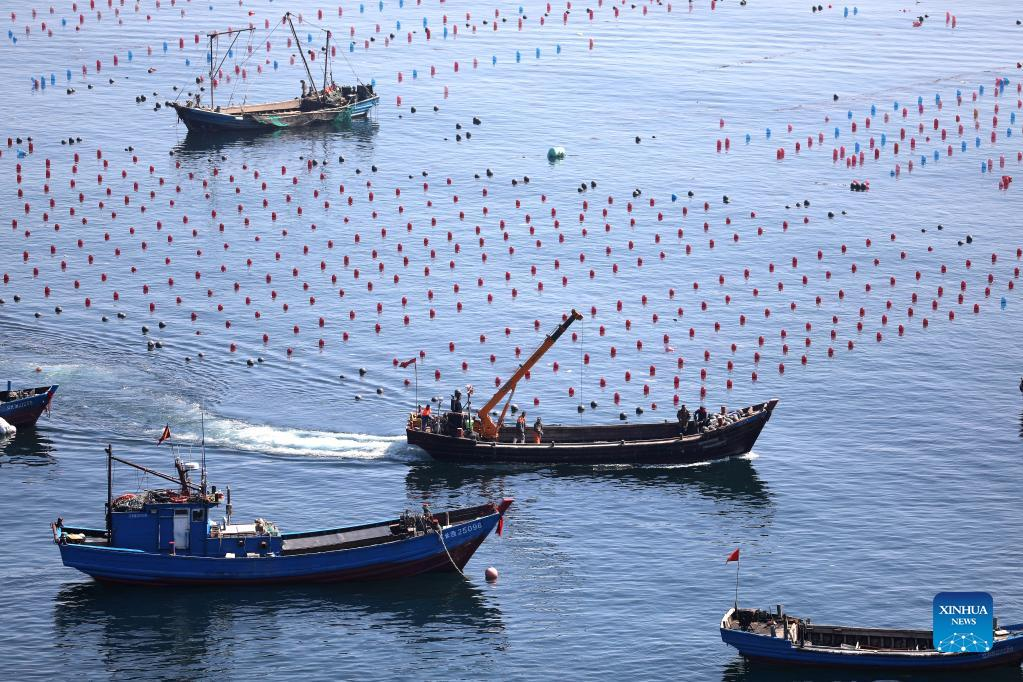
(555, 153)
(7, 429)
(491, 574)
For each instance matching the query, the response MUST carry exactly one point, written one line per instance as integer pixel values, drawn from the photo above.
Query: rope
(582, 365)
(440, 533)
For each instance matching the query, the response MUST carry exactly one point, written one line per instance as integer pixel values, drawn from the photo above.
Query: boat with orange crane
(460, 436)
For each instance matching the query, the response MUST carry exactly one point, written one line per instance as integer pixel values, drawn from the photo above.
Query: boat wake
(289, 442)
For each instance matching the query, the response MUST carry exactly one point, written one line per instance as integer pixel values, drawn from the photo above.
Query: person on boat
(537, 431)
(701, 418)
(424, 418)
(520, 429)
(304, 93)
(683, 419)
(455, 418)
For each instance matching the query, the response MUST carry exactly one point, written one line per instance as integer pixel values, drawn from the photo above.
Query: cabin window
(196, 515)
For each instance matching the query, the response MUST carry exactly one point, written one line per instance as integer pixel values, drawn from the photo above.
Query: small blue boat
(169, 537)
(781, 638)
(23, 407)
(318, 104)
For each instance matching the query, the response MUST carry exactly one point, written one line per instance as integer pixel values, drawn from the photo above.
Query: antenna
(202, 417)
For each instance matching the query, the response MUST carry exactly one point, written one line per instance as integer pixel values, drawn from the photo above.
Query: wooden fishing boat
(23, 407)
(169, 537)
(328, 103)
(460, 436)
(780, 638)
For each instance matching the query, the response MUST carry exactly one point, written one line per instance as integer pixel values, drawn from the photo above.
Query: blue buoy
(415, 73)
(380, 6)
(674, 197)
(362, 8)
(848, 114)
(891, 174)
(518, 56)
(1012, 117)
(53, 81)
(856, 10)
(63, 22)
(1003, 303)
(964, 146)
(768, 134)
(884, 139)
(978, 143)
(557, 48)
(445, 32)
(275, 65)
(351, 46)
(919, 100)
(373, 82)
(69, 74)
(1008, 132)
(424, 22)
(165, 46)
(937, 98)
(923, 160)
(935, 154)
(538, 53)
(837, 133)
(981, 89)
(188, 62)
(493, 60)
(401, 3)
(895, 105)
(397, 25)
(308, 39)
(857, 147)
(131, 55)
(845, 13)
(748, 138)
(873, 110)
(983, 167)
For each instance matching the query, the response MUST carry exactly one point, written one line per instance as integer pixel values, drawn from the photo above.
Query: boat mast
(110, 492)
(326, 60)
(212, 36)
(490, 430)
(301, 53)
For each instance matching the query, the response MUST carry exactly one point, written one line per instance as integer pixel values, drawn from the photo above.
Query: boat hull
(26, 411)
(207, 121)
(777, 650)
(398, 559)
(730, 441)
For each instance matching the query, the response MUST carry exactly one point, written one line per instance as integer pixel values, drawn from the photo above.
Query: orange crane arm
(488, 429)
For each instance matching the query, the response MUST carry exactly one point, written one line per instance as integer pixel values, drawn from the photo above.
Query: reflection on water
(733, 480)
(316, 141)
(29, 446)
(742, 670)
(193, 630)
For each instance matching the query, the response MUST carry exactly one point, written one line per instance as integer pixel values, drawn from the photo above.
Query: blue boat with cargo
(170, 537)
(327, 102)
(23, 407)
(776, 637)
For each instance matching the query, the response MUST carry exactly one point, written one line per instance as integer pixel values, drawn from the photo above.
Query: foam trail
(283, 441)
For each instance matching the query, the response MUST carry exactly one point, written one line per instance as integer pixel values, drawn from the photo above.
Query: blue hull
(397, 559)
(26, 411)
(204, 120)
(781, 651)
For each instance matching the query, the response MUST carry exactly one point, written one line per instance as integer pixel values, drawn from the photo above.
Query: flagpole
(736, 585)
(417, 386)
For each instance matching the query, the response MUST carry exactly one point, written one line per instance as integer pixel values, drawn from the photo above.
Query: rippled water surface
(890, 470)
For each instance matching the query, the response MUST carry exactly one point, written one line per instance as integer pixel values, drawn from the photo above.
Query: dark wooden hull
(610, 444)
(203, 120)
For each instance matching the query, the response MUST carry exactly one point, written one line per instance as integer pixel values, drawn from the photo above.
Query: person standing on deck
(683, 419)
(520, 428)
(701, 418)
(455, 418)
(424, 418)
(537, 431)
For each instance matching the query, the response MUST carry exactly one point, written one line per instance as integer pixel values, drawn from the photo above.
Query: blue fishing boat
(23, 407)
(170, 537)
(327, 103)
(780, 638)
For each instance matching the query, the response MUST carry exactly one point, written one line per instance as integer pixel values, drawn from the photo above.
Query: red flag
(165, 435)
(734, 556)
(406, 363)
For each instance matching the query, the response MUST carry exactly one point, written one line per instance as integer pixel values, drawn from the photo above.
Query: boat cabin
(187, 528)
